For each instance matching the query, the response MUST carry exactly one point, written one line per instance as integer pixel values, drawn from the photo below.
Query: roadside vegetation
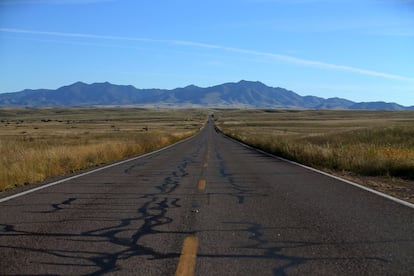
(372, 147)
(37, 144)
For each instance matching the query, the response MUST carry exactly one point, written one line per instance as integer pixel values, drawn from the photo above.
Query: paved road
(238, 211)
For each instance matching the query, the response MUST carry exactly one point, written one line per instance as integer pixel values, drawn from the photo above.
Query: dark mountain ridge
(246, 94)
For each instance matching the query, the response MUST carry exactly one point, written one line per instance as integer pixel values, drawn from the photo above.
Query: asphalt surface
(246, 214)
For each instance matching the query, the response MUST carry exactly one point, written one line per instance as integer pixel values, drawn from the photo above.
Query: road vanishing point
(204, 206)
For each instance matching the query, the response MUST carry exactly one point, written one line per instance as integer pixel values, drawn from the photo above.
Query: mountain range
(243, 94)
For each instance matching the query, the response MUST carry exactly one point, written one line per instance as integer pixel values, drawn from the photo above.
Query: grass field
(373, 147)
(36, 144)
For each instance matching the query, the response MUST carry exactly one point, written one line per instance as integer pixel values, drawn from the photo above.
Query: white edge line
(93, 171)
(397, 200)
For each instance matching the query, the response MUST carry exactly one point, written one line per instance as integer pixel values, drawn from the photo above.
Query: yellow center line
(201, 184)
(187, 262)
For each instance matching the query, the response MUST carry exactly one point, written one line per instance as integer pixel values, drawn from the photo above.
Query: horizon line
(230, 82)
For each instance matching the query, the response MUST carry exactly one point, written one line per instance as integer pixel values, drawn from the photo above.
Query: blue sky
(359, 50)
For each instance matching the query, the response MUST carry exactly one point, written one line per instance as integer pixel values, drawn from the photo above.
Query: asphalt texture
(249, 213)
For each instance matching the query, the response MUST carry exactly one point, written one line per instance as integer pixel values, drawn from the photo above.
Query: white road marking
(397, 200)
(90, 172)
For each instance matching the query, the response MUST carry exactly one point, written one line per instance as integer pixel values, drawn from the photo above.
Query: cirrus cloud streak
(279, 57)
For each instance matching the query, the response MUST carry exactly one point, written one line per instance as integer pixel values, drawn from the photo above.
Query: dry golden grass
(351, 143)
(36, 144)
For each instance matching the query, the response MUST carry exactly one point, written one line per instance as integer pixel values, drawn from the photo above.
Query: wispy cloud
(279, 57)
(52, 2)
(78, 35)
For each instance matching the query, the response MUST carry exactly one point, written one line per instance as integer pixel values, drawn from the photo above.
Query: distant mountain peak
(191, 86)
(252, 84)
(78, 83)
(249, 82)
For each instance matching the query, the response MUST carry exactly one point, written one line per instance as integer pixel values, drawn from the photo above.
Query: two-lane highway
(207, 206)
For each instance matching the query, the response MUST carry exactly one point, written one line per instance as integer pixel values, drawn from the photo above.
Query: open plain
(373, 148)
(37, 144)
(205, 206)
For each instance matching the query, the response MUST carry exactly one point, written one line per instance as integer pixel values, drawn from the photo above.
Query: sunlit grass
(38, 144)
(370, 143)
